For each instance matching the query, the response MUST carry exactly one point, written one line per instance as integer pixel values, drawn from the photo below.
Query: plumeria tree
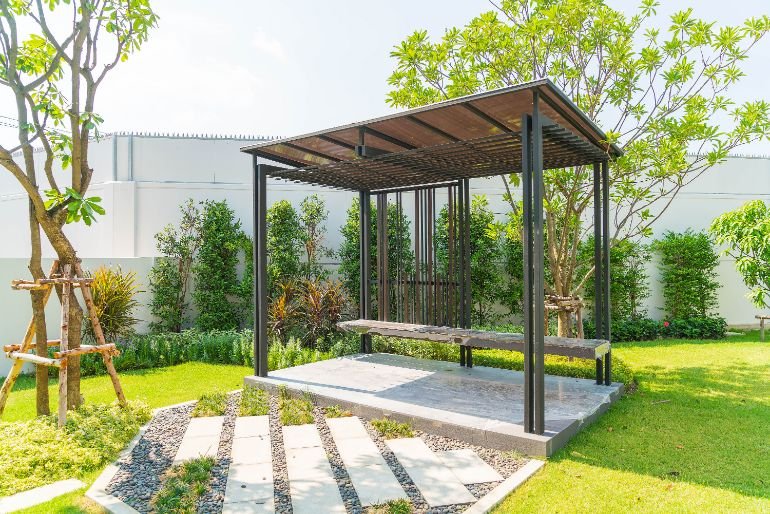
(660, 91)
(54, 56)
(745, 233)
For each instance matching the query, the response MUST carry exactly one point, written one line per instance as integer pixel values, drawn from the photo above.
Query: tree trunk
(41, 348)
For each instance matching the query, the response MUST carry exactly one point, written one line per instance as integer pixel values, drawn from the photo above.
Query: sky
(280, 68)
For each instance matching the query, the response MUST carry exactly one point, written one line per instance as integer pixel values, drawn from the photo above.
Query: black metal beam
(260, 269)
(431, 128)
(529, 335)
(338, 142)
(365, 299)
(486, 117)
(313, 152)
(367, 152)
(389, 139)
(538, 282)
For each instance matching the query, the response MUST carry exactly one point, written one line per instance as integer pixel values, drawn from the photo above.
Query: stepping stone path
(438, 483)
(201, 439)
(440, 476)
(250, 478)
(372, 478)
(311, 479)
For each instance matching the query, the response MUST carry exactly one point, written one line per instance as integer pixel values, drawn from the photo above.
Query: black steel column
(538, 297)
(260, 269)
(606, 268)
(365, 297)
(467, 271)
(462, 228)
(598, 264)
(526, 172)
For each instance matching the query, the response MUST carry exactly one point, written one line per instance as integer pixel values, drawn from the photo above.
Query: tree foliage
(745, 232)
(284, 244)
(313, 217)
(171, 274)
(216, 292)
(486, 258)
(688, 263)
(661, 92)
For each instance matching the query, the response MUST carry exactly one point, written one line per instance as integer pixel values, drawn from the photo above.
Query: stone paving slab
(437, 483)
(39, 495)
(201, 439)
(251, 441)
(371, 476)
(301, 436)
(311, 480)
(250, 507)
(468, 467)
(249, 482)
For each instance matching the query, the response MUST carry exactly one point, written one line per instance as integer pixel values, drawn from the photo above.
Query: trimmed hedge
(646, 329)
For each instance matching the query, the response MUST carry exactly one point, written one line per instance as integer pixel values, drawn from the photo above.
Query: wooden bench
(596, 349)
(762, 318)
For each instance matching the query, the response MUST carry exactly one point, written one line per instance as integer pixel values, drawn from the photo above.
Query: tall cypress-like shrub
(284, 245)
(688, 262)
(216, 293)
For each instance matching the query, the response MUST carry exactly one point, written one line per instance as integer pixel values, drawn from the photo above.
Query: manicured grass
(156, 387)
(390, 429)
(693, 437)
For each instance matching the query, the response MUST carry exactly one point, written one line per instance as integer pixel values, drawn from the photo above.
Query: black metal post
(538, 297)
(526, 172)
(606, 258)
(598, 264)
(467, 270)
(260, 269)
(365, 297)
(462, 227)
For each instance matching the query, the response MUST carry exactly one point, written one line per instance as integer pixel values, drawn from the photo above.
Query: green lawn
(155, 387)
(693, 437)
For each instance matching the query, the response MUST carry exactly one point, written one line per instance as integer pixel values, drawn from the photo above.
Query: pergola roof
(468, 137)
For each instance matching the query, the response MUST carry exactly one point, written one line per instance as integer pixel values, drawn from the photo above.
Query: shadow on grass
(700, 424)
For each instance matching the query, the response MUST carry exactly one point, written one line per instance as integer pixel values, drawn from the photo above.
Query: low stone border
(493, 498)
(38, 495)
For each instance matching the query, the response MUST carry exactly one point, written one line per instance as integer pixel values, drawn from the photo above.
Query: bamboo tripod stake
(19, 353)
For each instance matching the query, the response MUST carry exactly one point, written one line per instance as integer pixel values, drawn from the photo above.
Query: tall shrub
(629, 281)
(114, 294)
(170, 274)
(486, 257)
(688, 264)
(284, 244)
(216, 277)
(399, 248)
(313, 216)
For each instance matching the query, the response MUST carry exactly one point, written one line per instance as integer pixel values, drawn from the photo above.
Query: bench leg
(607, 370)
(599, 372)
(462, 355)
(762, 329)
(469, 357)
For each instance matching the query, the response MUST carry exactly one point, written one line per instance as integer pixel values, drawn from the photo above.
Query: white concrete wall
(144, 179)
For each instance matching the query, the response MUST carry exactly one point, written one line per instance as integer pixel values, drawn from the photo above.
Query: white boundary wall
(143, 179)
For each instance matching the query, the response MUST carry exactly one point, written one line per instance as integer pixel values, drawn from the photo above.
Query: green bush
(294, 410)
(210, 404)
(695, 328)
(688, 264)
(254, 402)
(284, 243)
(217, 288)
(391, 429)
(36, 453)
(633, 329)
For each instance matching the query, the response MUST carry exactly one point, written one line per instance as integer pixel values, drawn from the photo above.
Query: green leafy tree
(216, 291)
(171, 274)
(486, 258)
(54, 56)
(746, 234)
(284, 244)
(688, 263)
(661, 93)
(399, 248)
(313, 216)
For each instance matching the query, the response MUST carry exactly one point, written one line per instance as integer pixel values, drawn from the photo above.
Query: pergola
(416, 153)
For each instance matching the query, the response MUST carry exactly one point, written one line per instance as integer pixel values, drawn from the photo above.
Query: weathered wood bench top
(762, 316)
(564, 346)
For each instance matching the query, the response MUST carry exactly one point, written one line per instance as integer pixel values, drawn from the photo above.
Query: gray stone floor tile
(301, 436)
(468, 467)
(252, 426)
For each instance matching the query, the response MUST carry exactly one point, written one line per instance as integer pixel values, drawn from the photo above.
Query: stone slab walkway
(38, 495)
(468, 467)
(371, 476)
(436, 482)
(250, 477)
(201, 439)
(311, 479)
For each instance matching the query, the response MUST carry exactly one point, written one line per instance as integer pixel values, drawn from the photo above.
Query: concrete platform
(482, 406)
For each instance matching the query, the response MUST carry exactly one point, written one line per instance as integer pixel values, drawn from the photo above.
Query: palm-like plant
(114, 300)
